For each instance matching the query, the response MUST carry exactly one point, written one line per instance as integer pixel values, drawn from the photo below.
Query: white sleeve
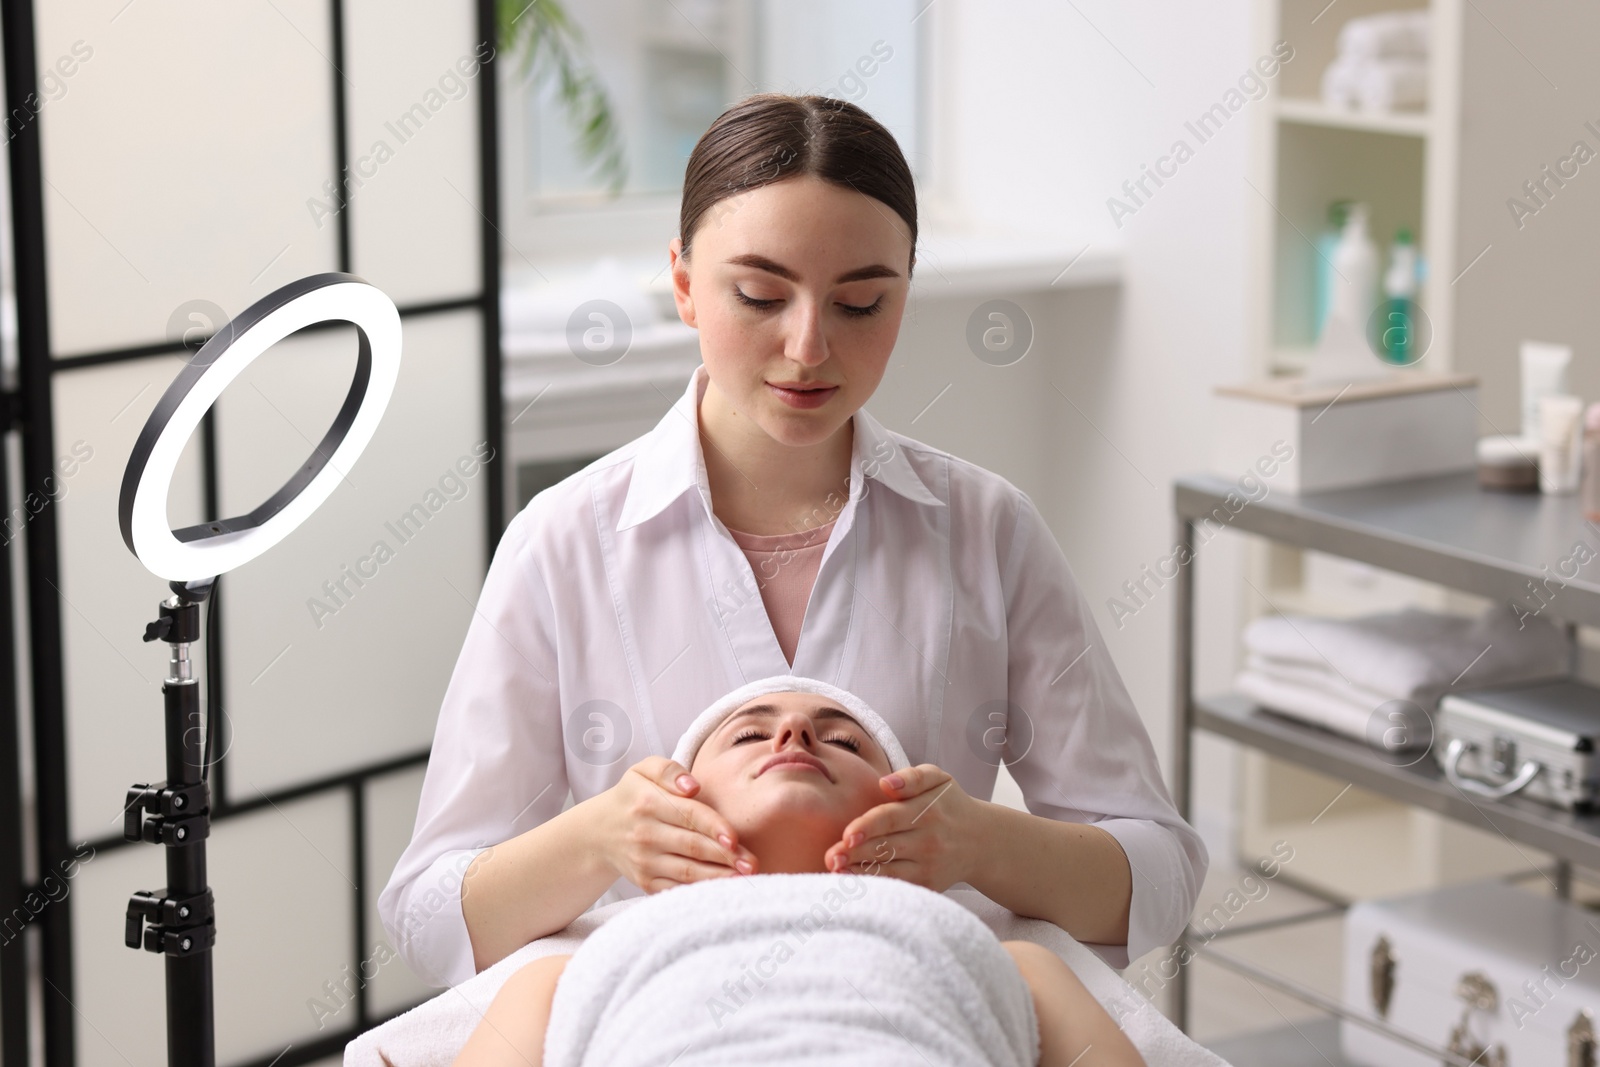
(497, 767)
(1089, 758)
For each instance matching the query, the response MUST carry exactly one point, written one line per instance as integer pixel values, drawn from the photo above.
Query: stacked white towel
(1382, 63)
(1378, 678)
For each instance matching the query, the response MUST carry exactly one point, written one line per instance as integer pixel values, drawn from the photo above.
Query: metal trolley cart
(1443, 530)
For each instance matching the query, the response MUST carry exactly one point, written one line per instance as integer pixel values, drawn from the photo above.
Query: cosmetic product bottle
(1560, 443)
(1327, 242)
(1398, 335)
(1544, 373)
(1343, 353)
(1591, 464)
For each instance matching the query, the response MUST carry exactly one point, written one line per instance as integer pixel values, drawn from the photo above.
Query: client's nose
(795, 728)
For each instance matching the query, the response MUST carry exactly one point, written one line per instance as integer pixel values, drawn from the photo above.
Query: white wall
(184, 151)
(1537, 277)
(1043, 110)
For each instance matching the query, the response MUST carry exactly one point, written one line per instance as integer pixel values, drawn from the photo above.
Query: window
(669, 67)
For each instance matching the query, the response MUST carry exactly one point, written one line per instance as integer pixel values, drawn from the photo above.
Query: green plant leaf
(549, 45)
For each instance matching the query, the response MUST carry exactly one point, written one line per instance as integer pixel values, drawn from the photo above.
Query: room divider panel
(169, 164)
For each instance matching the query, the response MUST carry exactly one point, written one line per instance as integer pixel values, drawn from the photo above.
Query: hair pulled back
(771, 137)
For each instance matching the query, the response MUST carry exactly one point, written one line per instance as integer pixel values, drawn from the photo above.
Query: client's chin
(793, 837)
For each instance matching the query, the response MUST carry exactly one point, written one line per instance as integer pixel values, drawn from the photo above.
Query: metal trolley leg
(1182, 727)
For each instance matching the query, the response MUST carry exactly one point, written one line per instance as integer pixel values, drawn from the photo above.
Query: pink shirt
(785, 566)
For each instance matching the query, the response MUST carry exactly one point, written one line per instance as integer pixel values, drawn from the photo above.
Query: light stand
(179, 920)
(177, 813)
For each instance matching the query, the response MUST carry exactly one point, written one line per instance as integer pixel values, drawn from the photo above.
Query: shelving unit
(1441, 530)
(1493, 117)
(1310, 154)
(1508, 93)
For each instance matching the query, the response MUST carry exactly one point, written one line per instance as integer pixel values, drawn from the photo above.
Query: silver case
(1553, 724)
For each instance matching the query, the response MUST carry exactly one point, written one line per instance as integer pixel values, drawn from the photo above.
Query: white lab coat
(617, 607)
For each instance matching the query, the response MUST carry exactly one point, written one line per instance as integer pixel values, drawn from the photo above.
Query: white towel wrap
(708, 721)
(793, 969)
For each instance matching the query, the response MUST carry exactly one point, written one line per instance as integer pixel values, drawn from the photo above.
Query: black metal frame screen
(29, 410)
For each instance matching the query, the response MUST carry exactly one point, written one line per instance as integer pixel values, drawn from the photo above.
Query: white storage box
(1360, 433)
(1480, 968)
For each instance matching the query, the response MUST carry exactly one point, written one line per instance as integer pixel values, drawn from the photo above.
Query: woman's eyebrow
(759, 262)
(772, 709)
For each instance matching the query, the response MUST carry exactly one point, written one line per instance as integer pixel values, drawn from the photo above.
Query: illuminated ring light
(216, 547)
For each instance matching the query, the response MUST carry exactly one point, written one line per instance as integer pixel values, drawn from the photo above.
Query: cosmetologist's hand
(654, 834)
(925, 833)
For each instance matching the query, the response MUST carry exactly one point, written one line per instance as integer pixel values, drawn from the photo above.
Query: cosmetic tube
(1544, 373)
(1591, 464)
(1560, 443)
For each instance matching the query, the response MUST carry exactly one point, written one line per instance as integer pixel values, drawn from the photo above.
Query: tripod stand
(177, 813)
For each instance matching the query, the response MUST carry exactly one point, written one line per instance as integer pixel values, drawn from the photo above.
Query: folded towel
(1378, 85)
(1318, 678)
(1390, 33)
(1396, 726)
(793, 968)
(1414, 654)
(431, 1034)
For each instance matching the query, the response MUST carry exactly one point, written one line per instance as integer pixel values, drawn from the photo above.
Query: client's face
(790, 771)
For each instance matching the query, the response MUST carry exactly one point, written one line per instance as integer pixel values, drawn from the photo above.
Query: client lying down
(795, 965)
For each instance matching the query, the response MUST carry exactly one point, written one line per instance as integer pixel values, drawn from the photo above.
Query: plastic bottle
(1560, 444)
(1342, 352)
(1327, 243)
(1590, 493)
(1544, 373)
(1398, 336)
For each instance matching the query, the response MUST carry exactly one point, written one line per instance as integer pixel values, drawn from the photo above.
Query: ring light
(216, 547)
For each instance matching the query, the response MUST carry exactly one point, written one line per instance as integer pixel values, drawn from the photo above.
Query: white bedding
(431, 1034)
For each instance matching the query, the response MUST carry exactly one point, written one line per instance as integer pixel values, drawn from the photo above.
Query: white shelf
(1316, 113)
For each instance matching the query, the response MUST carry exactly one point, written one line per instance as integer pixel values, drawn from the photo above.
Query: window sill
(950, 263)
(953, 264)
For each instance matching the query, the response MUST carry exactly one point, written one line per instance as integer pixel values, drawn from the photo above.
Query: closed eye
(853, 310)
(750, 301)
(843, 740)
(863, 311)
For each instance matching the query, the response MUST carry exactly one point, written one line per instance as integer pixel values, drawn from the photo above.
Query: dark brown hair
(770, 137)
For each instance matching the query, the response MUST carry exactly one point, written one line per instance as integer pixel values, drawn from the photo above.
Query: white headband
(708, 721)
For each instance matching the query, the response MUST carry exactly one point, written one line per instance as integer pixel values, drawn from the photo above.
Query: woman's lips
(803, 760)
(791, 765)
(805, 397)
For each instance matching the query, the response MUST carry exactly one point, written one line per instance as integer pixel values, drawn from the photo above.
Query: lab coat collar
(669, 461)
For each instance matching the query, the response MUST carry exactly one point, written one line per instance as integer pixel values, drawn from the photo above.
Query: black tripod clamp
(175, 815)
(178, 926)
(179, 816)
